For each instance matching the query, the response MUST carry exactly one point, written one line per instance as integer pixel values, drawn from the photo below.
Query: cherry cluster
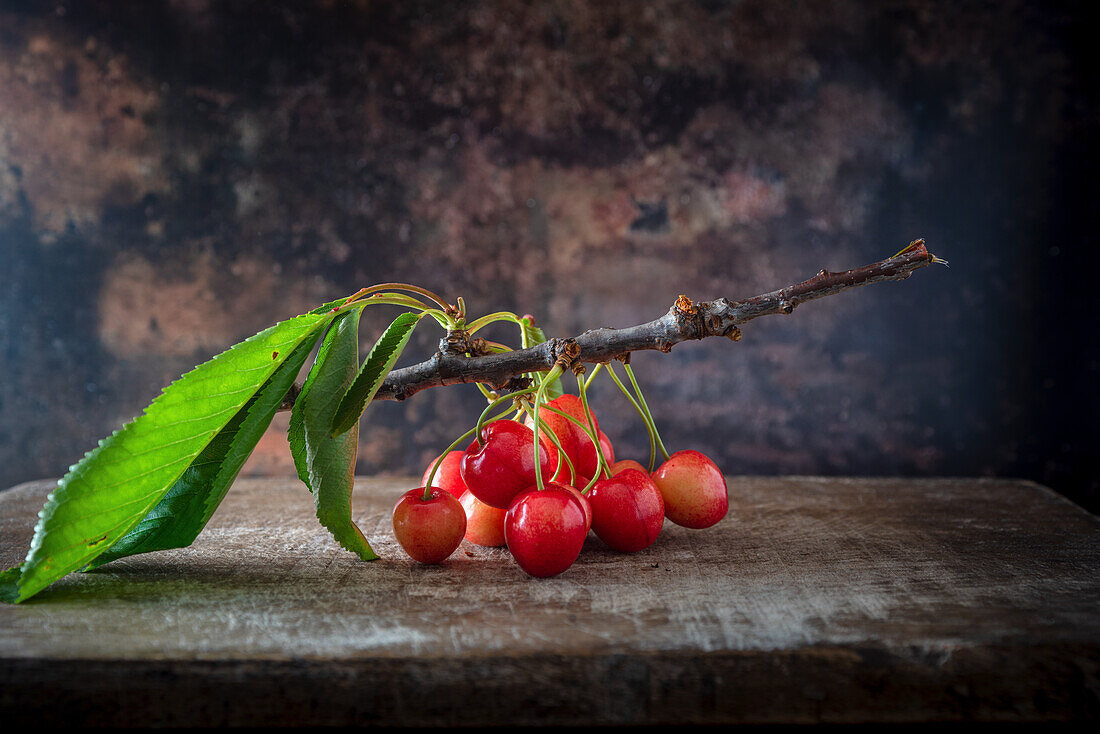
(540, 496)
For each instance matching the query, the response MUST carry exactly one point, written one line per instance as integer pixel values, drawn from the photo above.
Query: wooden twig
(684, 321)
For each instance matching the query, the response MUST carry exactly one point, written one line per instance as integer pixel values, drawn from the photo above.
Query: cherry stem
(540, 395)
(562, 456)
(438, 462)
(648, 412)
(399, 299)
(553, 438)
(401, 287)
(595, 371)
(492, 318)
(602, 463)
(582, 388)
(651, 429)
(510, 396)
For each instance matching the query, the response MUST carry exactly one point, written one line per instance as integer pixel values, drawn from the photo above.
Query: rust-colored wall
(175, 176)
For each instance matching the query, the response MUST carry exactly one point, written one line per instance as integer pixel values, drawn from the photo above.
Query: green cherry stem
(399, 299)
(510, 396)
(452, 447)
(648, 412)
(394, 299)
(582, 387)
(595, 371)
(561, 452)
(401, 287)
(599, 454)
(483, 321)
(553, 438)
(645, 419)
(552, 375)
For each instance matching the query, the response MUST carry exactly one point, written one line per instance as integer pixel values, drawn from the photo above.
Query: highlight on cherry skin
(502, 463)
(429, 530)
(449, 474)
(693, 489)
(545, 530)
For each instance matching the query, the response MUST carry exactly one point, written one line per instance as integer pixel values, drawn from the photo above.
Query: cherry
(608, 449)
(484, 524)
(545, 530)
(693, 488)
(449, 474)
(502, 465)
(586, 506)
(627, 510)
(619, 466)
(574, 441)
(429, 530)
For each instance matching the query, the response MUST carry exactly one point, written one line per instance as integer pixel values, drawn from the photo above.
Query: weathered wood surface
(815, 600)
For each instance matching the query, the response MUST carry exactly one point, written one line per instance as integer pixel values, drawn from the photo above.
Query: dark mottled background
(175, 176)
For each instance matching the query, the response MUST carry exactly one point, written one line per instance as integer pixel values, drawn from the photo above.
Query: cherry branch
(684, 321)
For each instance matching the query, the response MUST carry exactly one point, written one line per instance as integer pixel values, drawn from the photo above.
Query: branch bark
(684, 321)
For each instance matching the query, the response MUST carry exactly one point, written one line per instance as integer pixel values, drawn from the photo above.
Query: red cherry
(545, 530)
(618, 466)
(449, 475)
(504, 465)
(627, 510)
(429, 530)
(484, 524)
(608, 449)
(694, 489)
(586, 506)
(574, 441)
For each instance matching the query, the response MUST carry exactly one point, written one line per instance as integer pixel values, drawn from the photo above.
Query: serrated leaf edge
(381, 358)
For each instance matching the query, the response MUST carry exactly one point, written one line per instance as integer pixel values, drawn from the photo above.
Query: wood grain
(817, 599)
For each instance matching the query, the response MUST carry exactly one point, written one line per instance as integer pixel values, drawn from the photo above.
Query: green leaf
(186, 508)
(327, 308)
(117, 484)
(377, 365)
(9, 585)
(325, 463)
(533, 335)
(296, 431)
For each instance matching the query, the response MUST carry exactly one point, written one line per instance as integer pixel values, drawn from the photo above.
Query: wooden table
(815, 600)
